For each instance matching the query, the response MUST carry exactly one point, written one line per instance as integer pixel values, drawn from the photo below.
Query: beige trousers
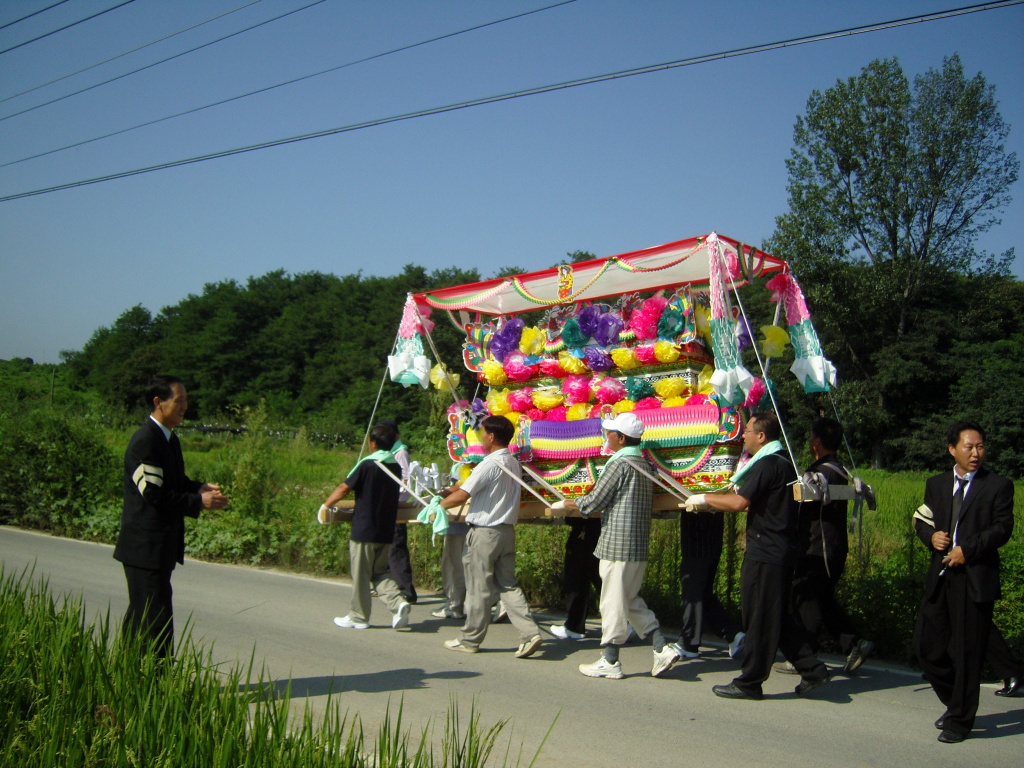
(621, 603)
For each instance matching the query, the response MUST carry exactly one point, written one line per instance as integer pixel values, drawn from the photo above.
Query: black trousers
(581, 570)
(815, 604)
(951, 638)
(400, 563)
(150, 613)
(771, 627)
(702, 610)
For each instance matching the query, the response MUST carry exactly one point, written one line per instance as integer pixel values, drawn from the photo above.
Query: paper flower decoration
(666, 352)
(638, 388)
(440, 380)
(546, 399)
(577, 412)
(576, 389)
(531, 342)
(535, 414)
(610, 391)
(673, 402)
(497, 402)
(572, 335)
(571, 364)
(493, 373)
(646, 354)
(648, 403)
(588, 319)
(775, 340)
(670, 387)
(558, 413)
(521, 399)
(608, 328)
(597, 359)
(516, 369)
(623, 406)
(551, 368)
(624, 358)
(644, 322)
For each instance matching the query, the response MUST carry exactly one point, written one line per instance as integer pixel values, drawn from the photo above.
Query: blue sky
(609, 167)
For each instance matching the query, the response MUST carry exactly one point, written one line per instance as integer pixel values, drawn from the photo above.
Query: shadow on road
(371, 682)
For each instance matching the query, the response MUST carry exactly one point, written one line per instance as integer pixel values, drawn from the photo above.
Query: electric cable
(34, 13)
(126, 53)
(701, 59)
(67, 26)
(164, 61)
(279, 85)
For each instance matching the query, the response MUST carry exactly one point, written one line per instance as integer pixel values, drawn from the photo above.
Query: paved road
(883, 717)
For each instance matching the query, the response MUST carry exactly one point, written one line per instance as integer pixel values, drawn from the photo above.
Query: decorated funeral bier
(658, 332)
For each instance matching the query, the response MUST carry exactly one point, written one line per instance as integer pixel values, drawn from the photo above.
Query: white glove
(323, 515)
(695, 503)
(559, 506)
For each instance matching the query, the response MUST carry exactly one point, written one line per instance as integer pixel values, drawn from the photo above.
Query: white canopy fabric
(674, 264)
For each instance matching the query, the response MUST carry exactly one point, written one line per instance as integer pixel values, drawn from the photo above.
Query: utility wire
(68, 26)
(126, 53)
(279, 85)
(746, 51)
(34, 13)
(163, 61)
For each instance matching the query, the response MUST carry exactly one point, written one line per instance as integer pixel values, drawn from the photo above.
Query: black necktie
(958, 501)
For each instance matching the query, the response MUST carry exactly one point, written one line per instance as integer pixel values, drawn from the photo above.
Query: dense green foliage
(74, 696)
(889, 187)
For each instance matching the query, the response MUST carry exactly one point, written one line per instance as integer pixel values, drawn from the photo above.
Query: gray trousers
(369, 565)
(490, 566)
(453, 573)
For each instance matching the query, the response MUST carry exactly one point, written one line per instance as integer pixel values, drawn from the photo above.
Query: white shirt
(493, 495)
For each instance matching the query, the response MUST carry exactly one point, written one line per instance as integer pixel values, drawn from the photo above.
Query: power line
(68, 26)
(702, 59)
(287, 82)
(126, 53)
(34, 13)
(162, 61)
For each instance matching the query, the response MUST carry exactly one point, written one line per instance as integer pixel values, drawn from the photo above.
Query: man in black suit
(157, 497)
(967, 516)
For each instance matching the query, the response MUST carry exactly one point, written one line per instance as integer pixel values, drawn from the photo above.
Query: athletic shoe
(346, 623)
(664, 660)
(500, 615)
(809, 684)
(682, 653)
(401, 618)
(529, 647)
(456, 645)
(860, 651)
(736, 647)
(602, 668)
(447, 613)
(784, 668)
(562, 632)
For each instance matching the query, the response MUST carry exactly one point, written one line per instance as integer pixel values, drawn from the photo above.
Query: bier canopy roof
(669, 265)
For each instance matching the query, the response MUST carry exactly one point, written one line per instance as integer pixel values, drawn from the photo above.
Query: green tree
(890, 186)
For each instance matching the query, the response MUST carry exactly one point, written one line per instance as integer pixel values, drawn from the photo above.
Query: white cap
(627, 423)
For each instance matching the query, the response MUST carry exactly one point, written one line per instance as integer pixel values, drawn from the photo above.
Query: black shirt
(772, 514)
(373, 517)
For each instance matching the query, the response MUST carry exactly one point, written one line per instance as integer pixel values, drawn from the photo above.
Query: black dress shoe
(860, 651)
(809, 684)
(1012, 687)
(730, 691)
(951, 737)
(941, 722)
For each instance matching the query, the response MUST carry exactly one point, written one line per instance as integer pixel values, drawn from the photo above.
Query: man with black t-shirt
(764, 492)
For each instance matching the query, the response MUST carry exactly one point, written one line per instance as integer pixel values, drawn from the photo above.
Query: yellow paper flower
(532, 341)
(571, 364)
(673, 402)
(670, 387)
(702, 316)
(497, 402)
(775, 340)
(624, 358)
(494, 374)
(622, 406)
(577, 412)
(440, 381)
(704, 386)
(546, 399)
(666, 351)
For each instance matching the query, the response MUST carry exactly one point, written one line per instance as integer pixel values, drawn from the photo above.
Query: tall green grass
(73, 695)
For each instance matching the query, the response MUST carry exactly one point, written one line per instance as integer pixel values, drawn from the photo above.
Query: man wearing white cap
(625, 496)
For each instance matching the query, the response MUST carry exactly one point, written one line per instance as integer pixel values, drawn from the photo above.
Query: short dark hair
(960, 426)
(383, 437)
(500, 427)
(767, 422)
(160, 386)
(391, 423)
(829, 431)
(626, 439)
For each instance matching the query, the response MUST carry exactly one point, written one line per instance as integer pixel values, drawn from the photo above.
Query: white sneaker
(499, 615)
(457, 645)
(684, 654)
(601, 668)
(564, 633)
(346, 623)
(401, 618)
(664, 660)
(736, 646)
(447, 613)
(529, 647)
